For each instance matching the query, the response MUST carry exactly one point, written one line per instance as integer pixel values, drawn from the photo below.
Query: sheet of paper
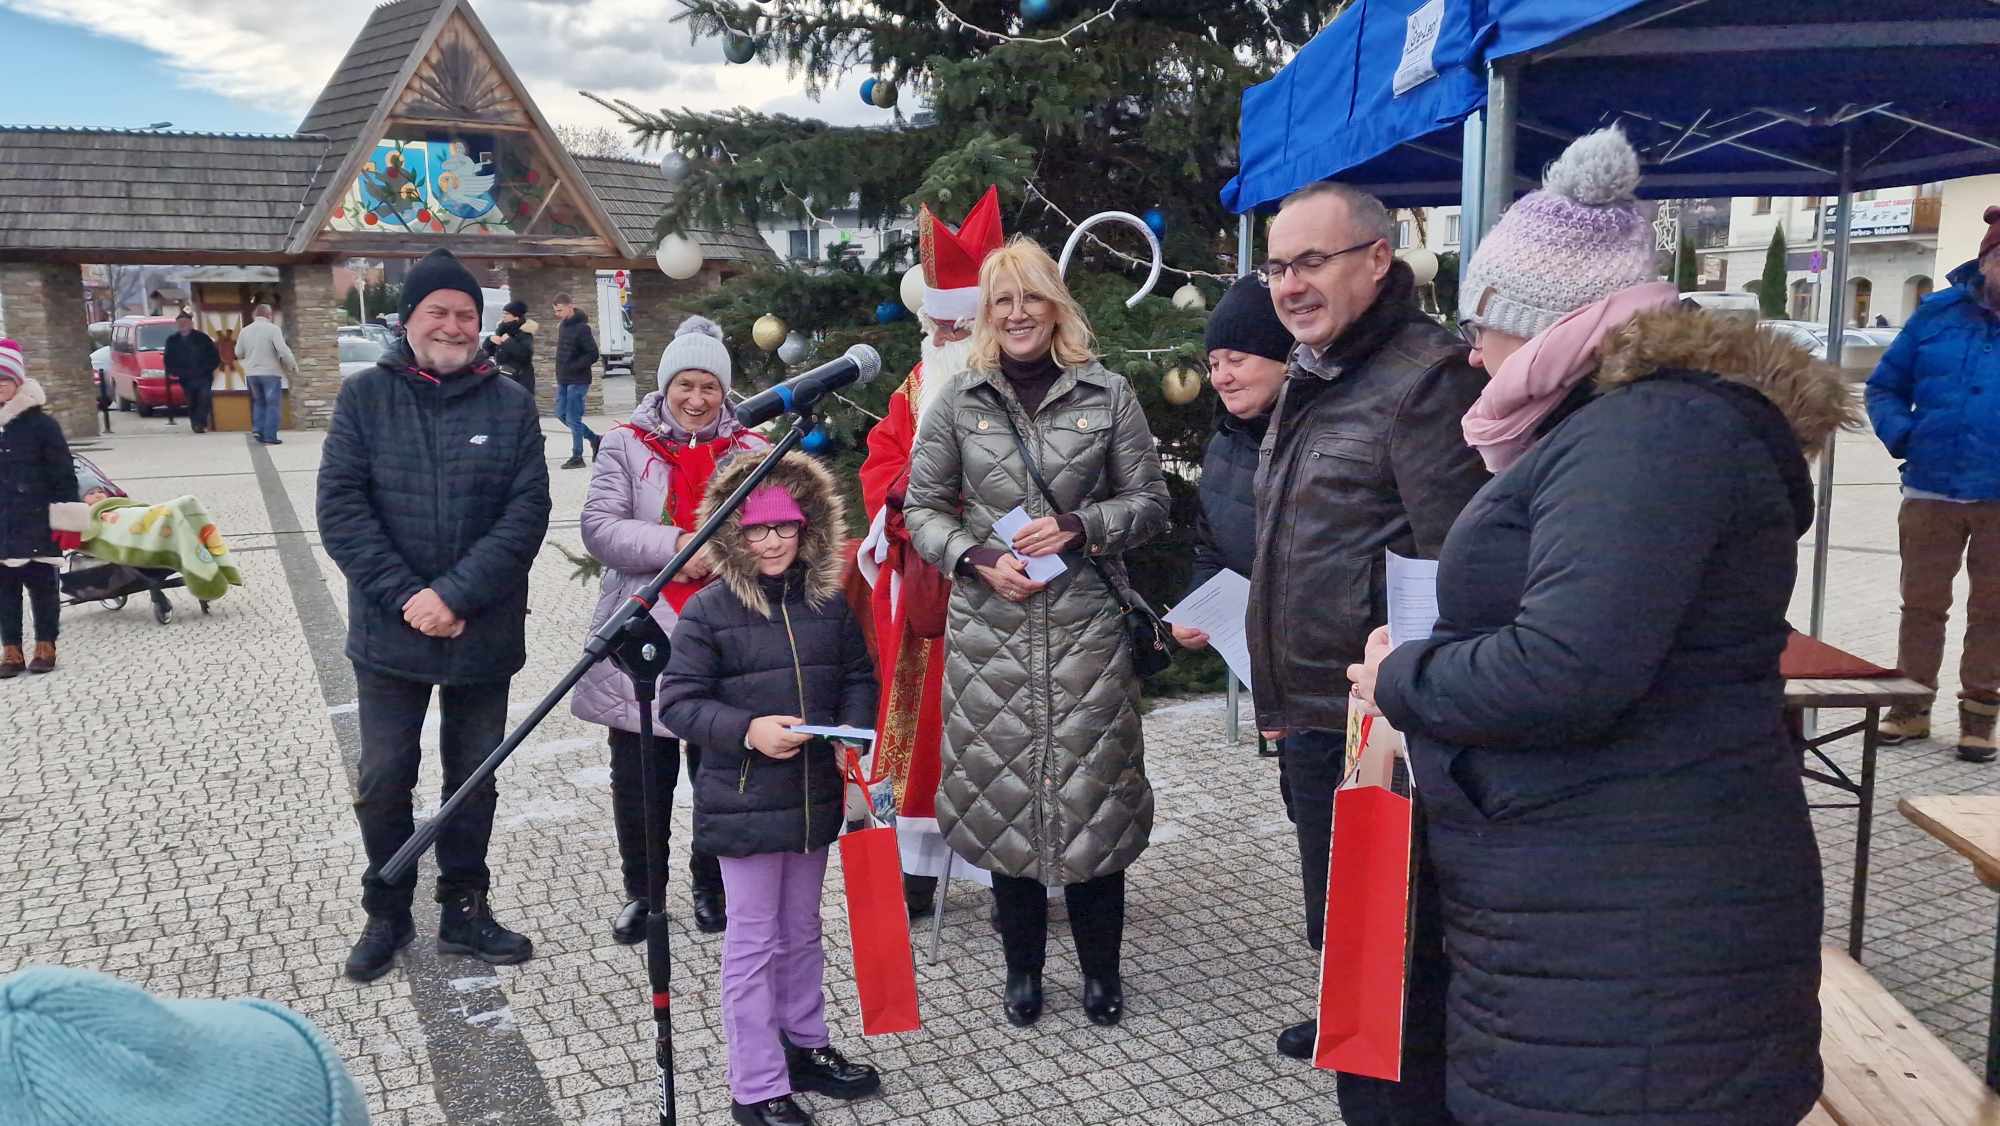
(1217, 608)
(1041, 568)
(864, 735)
(1413, 598)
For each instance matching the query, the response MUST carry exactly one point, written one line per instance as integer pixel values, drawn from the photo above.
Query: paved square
(175, 804)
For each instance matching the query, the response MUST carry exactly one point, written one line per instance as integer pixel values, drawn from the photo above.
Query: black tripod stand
(633, 641)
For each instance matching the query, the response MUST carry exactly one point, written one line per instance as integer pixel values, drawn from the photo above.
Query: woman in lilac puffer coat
(645, 488)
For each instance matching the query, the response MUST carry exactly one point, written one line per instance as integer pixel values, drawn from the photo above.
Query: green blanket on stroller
(177, 535)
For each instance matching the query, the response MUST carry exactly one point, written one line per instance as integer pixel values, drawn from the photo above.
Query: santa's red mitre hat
(951, 258)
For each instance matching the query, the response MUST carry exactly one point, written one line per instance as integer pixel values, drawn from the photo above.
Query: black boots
(630, 925)
(466, 926)
(781, 1111)
(1024, 997)
(824, 1071)
(711, 914)
(1297, 1041)
(375, 951)
(1103, 1000)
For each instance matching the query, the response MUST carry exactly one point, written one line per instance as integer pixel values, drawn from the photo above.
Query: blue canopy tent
(1785, 97)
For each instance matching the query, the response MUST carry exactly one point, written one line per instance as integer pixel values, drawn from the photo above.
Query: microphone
(858, 365)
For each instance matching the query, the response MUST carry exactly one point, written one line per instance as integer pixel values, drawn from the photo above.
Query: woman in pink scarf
(1625, 867)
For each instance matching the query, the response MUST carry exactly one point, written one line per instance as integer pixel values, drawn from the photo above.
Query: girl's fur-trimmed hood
(813, 488)
(1808, 392)
(26, 399)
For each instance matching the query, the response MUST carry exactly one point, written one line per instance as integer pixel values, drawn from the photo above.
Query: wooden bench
(1883, 1068)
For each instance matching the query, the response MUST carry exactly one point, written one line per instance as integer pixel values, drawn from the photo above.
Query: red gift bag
(878, 922)
(1364, 962)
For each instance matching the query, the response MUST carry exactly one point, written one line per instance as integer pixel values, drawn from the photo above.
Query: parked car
(1860, 349)
(358, 354)
(1724, 302)
(379, 335)
(138, 380)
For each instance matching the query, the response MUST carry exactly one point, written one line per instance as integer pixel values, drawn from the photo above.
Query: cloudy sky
(257, 67)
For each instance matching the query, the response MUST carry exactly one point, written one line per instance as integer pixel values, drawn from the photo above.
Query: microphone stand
(634, 642)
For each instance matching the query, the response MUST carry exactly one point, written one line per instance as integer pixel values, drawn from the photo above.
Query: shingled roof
(134, 191)
(635, 193)
(77, 192)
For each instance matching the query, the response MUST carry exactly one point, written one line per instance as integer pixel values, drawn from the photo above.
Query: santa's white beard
(942, 363)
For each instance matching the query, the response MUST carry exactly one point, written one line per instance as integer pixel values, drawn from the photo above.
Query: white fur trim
(951, 304)
(69, 516)
(27, 398)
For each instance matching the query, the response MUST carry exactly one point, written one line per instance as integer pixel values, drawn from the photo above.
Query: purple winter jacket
(622, 530)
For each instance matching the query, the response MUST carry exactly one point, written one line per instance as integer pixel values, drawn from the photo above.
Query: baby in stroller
(124, 546)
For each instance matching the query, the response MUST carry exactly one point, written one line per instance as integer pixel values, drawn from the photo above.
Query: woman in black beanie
(512, 345)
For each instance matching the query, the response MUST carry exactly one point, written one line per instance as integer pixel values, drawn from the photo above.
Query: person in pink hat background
(36, 469)
(773, 630)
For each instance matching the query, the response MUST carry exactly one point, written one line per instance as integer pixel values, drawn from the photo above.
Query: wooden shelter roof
(94, 195)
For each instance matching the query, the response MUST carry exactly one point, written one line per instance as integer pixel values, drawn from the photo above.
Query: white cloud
(278, 53)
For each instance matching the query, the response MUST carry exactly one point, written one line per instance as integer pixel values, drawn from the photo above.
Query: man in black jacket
(512, 345)
(191, 357)
(433, 500)
(1365, 454)
(576, 355)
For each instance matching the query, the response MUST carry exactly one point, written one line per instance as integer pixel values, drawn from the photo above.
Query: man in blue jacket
(1935, 403)
(433, 500)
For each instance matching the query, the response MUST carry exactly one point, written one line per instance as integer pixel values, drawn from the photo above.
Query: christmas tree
(1070, 109)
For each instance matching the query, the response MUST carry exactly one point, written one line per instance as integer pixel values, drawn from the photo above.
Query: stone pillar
(659, 305)
(537, 287)
(41, 307)
(312, 320)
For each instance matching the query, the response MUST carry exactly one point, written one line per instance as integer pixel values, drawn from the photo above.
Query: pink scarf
(1501, 425)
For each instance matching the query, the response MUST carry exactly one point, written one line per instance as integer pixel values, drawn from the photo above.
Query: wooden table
(1971, 827)
(1873, 697)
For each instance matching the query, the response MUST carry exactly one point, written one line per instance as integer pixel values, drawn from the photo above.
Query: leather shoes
(781, 1111)
(824, 1071)
(1297, 1041)
(711, 914)
(1024, 997)
(1103, 1000)
(630, 925)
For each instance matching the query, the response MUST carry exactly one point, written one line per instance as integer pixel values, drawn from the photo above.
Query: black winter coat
(731, 665)
(35, 472)
(439, 484)
(1225, 529)
(576, 350)
(191, 357)
(1628, 876)
(515, 354)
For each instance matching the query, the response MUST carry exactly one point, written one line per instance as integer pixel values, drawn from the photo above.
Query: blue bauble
(888, 312)
(816, 440)
(1157, 220)
(739, 48)
(1035, 11)
(868, 91)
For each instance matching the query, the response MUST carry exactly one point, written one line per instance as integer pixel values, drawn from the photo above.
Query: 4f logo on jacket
(479, 439)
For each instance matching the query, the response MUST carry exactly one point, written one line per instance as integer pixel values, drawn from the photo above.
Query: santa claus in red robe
(907, 593)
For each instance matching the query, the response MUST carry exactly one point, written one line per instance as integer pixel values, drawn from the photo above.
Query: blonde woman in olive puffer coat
(1044, 760)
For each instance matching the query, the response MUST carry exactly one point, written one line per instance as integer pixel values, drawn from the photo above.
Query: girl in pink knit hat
(36, 468)
(769, 646)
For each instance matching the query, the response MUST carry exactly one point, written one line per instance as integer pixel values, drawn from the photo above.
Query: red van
(138, 353)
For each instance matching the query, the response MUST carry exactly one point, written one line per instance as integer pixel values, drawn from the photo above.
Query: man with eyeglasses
(1364, 454)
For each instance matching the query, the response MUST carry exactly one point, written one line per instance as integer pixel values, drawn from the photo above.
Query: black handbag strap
(1035, 471)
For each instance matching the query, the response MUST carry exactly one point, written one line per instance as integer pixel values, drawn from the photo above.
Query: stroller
(85, 579)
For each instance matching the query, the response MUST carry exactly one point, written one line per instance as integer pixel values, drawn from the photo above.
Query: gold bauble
(768, 332)
(1181, 386)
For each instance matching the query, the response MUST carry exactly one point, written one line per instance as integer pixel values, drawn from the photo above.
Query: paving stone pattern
(175, 804)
